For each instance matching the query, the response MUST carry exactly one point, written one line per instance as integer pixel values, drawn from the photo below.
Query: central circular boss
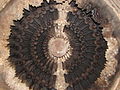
(58, 46)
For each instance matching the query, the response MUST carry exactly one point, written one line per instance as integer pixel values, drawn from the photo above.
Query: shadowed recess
(89, 47)
(28, 46)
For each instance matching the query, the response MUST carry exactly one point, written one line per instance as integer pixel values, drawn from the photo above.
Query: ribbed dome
(35, 47)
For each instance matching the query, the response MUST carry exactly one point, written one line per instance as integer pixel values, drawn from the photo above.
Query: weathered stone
(13, 10)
